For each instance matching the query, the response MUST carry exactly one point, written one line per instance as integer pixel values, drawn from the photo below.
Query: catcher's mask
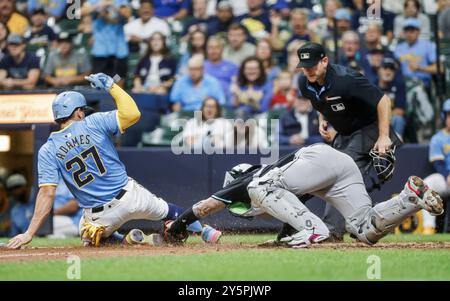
(384, 165)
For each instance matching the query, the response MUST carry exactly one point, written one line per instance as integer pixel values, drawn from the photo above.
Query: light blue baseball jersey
(83, 154)
(440, 147)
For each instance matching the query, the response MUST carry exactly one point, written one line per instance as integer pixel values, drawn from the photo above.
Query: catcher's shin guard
(285, 206)
(369, 225)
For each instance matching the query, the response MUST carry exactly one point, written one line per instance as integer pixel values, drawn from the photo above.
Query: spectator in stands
(66, 213)
(224, 71)
(282, 91)
(343, 20)
(189, 91)
(67, 66)
(391, 82)
(412, 10)
(3, 37)
(211, 130)
(372, 39)
(257, 19)
(292, 60)
(40, 35)
(251, 93)
(444, 20)
(196, 45)
(172, 9)
(138, 31)
(264, 52)
(439, 157)
(15, 22)
(5, 211)
(323, 27)
(199, 21)
(299, 26)
(19, 69)
(350, 55)
(110, 48)
(247, 133)
(22, 209)
(155, 72)
(300, 125)
(238, 49)
(53, 8)
(220, 23)
(417, 56)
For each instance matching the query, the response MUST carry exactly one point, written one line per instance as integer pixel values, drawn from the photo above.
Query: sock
(174, 212)
(195, 227)
(181, 223)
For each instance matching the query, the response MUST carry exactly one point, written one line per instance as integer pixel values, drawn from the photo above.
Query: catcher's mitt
(92, 234)
(172, 236)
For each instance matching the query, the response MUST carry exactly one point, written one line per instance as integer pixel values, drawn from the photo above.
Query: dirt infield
(61, 253)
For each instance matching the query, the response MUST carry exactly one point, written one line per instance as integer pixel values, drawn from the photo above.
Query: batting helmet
(66, 103)
(384, 165)
(235, 173)
(445, 109)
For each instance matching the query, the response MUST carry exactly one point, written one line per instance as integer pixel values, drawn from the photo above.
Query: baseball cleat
(137, 237)
(303, 239)
(210, 235)
(416, 185)
(428, 199)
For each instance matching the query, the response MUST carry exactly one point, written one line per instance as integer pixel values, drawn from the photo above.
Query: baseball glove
(92, 234)
(172, 236)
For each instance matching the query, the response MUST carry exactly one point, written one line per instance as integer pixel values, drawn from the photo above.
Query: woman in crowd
(264, 52)
(211, 130)
(412, 10)
(251, 93)
(196, 45)
(156, 70)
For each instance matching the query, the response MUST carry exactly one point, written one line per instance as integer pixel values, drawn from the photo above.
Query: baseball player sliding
(321, 171)
(82, 153)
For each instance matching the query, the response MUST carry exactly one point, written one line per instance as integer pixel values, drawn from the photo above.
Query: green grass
(254, 264)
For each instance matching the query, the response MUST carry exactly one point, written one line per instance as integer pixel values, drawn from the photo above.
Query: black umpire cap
(310, 54)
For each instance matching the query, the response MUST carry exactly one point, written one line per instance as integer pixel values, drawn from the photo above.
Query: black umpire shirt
(347, 100)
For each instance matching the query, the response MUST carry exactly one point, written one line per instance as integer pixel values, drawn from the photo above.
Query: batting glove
(100, 81)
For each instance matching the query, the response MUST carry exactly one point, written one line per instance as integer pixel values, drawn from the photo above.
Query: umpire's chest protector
(347, 99)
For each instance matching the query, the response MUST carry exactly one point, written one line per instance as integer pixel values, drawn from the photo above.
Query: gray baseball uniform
(324, 172)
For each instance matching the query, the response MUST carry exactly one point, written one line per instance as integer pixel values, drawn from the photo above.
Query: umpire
(354, 116)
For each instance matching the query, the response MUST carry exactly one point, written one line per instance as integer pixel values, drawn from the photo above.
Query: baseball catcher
(321, 171)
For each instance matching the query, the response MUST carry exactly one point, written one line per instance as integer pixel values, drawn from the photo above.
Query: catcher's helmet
(66, 103)
(236, 172)
(384, 165)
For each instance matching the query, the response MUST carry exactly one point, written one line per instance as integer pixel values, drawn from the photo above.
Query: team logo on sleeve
(338, 107)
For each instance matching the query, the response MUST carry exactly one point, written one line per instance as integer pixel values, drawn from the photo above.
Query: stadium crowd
(227, 58)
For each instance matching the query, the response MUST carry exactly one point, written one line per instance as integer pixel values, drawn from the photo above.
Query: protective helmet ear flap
(235, 172)
(384, 165)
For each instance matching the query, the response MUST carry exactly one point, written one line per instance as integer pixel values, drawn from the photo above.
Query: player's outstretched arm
(44, 204)
(128, 112)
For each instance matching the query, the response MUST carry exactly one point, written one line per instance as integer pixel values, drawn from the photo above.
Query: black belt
(102, 207)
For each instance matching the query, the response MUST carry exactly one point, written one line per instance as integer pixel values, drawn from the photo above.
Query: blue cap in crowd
(343, 14)
(411, 23)
(446, 106)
